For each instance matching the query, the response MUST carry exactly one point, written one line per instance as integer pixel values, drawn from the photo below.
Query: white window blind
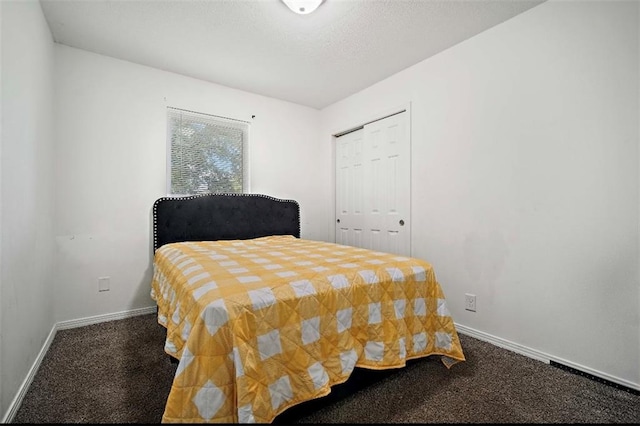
(208, 154)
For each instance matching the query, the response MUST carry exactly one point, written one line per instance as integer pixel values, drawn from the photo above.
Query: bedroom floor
(117, 372)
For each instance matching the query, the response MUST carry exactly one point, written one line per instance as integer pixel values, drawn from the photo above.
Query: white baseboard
(541, 356)
(17, 400)
(64, 325)
(598, 374)
(505, 344)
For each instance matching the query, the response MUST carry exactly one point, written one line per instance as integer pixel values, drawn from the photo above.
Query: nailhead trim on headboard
(226, 195)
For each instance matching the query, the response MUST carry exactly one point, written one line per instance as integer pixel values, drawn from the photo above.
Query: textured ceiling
(262, 47)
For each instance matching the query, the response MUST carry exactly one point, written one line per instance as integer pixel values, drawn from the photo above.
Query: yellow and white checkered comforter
(260, 325)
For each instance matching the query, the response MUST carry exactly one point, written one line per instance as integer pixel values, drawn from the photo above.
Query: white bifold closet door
(373, 192)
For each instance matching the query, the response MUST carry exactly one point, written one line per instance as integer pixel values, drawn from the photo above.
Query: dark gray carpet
(117, 372)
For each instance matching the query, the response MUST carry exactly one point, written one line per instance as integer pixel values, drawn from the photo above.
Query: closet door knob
(338, 220)
(401, 222)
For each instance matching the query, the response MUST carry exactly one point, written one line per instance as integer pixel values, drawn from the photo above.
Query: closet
(373, 186)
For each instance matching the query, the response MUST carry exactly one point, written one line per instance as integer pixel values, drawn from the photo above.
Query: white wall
(525, 179)
(111, 166)
(26, 194)
(3, 408)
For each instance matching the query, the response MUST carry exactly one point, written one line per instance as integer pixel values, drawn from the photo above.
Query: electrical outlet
(470, 302)
(103, 283)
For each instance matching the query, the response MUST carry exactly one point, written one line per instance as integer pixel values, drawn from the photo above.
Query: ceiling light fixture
(303, 7)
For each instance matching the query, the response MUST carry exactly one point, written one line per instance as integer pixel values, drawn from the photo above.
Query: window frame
(246, 183)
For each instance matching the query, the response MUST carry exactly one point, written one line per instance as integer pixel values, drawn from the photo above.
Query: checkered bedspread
(260, 325)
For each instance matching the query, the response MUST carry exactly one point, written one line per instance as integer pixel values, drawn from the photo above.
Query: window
(207, 153)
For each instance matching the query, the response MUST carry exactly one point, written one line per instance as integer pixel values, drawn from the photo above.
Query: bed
(260, 320)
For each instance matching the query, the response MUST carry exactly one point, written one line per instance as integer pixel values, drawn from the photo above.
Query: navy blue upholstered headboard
(211, 217)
